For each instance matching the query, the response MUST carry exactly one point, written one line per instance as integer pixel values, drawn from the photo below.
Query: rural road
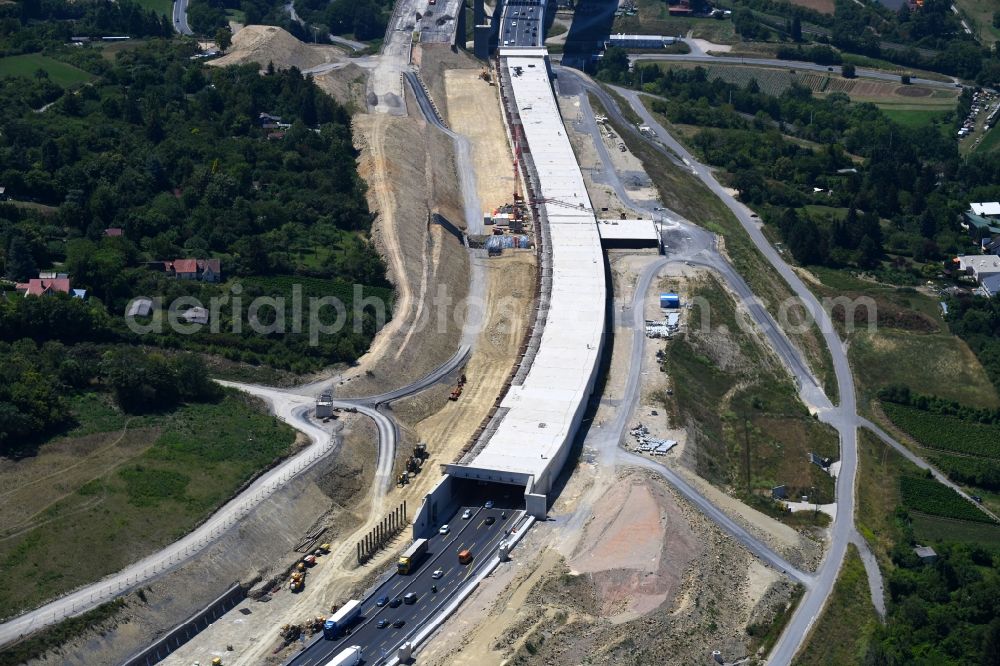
(843, 418)
(181, 18)
(797, 65)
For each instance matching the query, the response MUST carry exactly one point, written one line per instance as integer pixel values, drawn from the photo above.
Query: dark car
(382, 601)
(383, 623)
(490, 520)
(399, 623)
(395, 603)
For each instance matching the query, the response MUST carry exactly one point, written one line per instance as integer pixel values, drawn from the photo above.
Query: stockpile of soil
(265, 44)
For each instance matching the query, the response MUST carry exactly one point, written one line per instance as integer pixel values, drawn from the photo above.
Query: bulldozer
(420, 451)
(290, 632)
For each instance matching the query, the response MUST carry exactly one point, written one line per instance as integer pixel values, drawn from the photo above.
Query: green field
(929, 363)
(991, 141)
(847, 621)
(947, 433)
(59, 72)
(914, 117)
(927, 496)
(134, 504)
(165, 7)
(981, 14)
(933, 528)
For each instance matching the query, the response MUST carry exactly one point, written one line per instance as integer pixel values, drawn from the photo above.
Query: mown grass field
(136, 502)
(60, 73)
(991, 141)
(845, 626)
(914, 117)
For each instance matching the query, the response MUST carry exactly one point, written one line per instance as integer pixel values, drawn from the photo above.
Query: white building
(638, 41)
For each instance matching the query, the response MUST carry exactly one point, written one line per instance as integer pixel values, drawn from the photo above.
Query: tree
(223, 37)
(905, 79)
(20, 262)
(796, 29)
(847, 71)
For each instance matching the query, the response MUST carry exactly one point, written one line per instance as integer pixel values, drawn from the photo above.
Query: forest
(929, 36)
(906, 195)
(175, 158)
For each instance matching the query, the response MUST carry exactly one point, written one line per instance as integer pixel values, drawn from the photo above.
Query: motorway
(181, 18)
(472, 534)
(521, 24)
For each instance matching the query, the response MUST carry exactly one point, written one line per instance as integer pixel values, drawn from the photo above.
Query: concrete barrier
(190, 628)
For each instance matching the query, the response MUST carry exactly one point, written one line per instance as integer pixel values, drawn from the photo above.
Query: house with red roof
(45, 286)
(206, 270)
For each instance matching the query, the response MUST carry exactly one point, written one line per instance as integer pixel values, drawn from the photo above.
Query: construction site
(527, 276)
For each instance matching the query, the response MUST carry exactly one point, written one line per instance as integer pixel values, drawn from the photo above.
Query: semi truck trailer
(408, 560)
(342, 619)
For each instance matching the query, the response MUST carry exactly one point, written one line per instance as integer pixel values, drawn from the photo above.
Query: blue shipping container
(670, 301)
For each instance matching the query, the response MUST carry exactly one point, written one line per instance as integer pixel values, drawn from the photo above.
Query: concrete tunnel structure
(529, 437)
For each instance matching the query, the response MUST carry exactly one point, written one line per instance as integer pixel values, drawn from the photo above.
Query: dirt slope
(266, 43)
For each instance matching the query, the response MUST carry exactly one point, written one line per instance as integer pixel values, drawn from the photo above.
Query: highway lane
(784, 64)
(521, 24)
(180, 17)
(472, 534)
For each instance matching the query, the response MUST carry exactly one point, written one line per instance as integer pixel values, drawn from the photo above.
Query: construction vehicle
(402, 479)
(455, 393)
(290, 632)
(342, 619)
(420, 451)
(408, 560)
(315, 625)
(325, 547)
(309, 560)
(485, 76)
(297, 582)
(217, 661)
(301, 566)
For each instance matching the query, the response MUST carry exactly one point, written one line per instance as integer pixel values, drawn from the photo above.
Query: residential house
(113, 232)
(980, 227)
(986, 208)
(195, 315)
(925, 553)
(206, 270)
(45, 286)
(978, 266)
(990, 285)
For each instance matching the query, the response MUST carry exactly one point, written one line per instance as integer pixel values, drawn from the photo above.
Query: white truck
(348, 657)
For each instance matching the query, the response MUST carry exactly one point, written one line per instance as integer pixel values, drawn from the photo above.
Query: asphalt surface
(180, 17)
(843, 418)
(379, 644)
(784, 64)
(521, 23)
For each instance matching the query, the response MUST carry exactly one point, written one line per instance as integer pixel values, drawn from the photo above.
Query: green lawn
(846, 623)
(981, 13)
(990, 142)
(65, 75)
(654, 19)
(913, 117)
(165, 7)
(931, 363)
(934, 528)
(203, 454)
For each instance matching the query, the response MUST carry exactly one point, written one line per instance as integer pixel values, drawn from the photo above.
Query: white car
(489, 504)
(437, 573)
(467, 514)
(444, 529)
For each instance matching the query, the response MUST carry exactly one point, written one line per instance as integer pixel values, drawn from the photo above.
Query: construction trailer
(670, 301)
